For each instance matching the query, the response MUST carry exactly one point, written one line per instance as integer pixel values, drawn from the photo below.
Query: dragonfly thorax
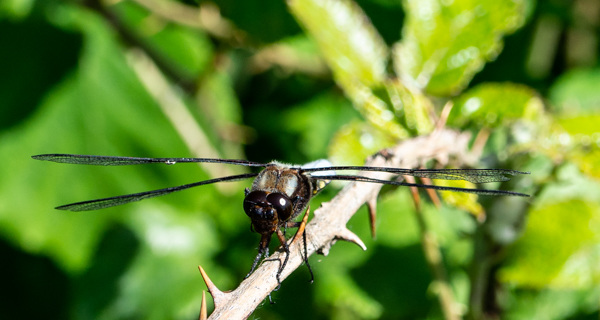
(279, 179)
(277, 196)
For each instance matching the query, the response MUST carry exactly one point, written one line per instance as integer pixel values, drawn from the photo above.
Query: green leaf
(82, 106)
(349, 300)
(316, 121)
(355, 142)
(410, 106)
(221, 112)
(356, 54)
(397, 209)
(101, 108)
(577, 102)
(164, 264)
(445, 43)
(352, 47)
(185, 50)
(557, 233)
(190, 52)
(462, 200)
(551, 304)
(587, 161)
(576, 92)
(389, 217)
(586, 125)
(377, 110)
(496, 104)
(16, 9)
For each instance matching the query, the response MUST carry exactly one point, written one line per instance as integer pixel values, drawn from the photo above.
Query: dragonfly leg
(300, 230)
(286, 250)
(301, 226)
(263, 250)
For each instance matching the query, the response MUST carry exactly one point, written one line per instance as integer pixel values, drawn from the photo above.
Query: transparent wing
(123, 161)
(471, 175)
(119, 200)
(426, 186)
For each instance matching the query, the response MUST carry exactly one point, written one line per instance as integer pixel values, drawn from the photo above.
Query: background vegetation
(296, 81)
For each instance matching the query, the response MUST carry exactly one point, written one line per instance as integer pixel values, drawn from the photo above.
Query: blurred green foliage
(296, 81)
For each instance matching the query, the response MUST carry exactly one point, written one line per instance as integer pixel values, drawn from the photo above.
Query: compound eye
(282, 204)
(254, 204)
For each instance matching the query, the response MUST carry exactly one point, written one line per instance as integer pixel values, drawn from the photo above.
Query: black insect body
(280, 192)
(278, 195)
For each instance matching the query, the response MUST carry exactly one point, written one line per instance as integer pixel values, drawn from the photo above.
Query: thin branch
(206, 17)
(329, 222)
(183, 78)
(173, 107)
(433, 257)
(480, 140)
(441, 122)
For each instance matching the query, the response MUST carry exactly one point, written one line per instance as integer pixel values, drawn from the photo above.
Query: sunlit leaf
(355, 142)
(411, 107)
(445, 43)
(582, 125)
(578, 107)
(465, 201)
(377, 111)
(355, 53)
(555, 232)
(350, 44)
(587, 161)
(494, 104)
(16, 8)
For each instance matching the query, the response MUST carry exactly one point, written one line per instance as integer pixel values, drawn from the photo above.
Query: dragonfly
(280, 192)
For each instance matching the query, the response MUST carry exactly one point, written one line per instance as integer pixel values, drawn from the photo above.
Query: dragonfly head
(266, 210)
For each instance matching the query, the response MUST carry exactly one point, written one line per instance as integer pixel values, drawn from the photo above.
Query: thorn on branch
(350, 236)
(432, 194)
(203, 315)
(372, 208)
(219, 297)
(414, 192)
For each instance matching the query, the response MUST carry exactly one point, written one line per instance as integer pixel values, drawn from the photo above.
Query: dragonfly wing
(119, 200)
(425, 186)
(123, 161)
(471, 175)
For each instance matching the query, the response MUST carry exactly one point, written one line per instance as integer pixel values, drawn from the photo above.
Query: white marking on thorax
(321, 163)
(274, 180)
(289, 183)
